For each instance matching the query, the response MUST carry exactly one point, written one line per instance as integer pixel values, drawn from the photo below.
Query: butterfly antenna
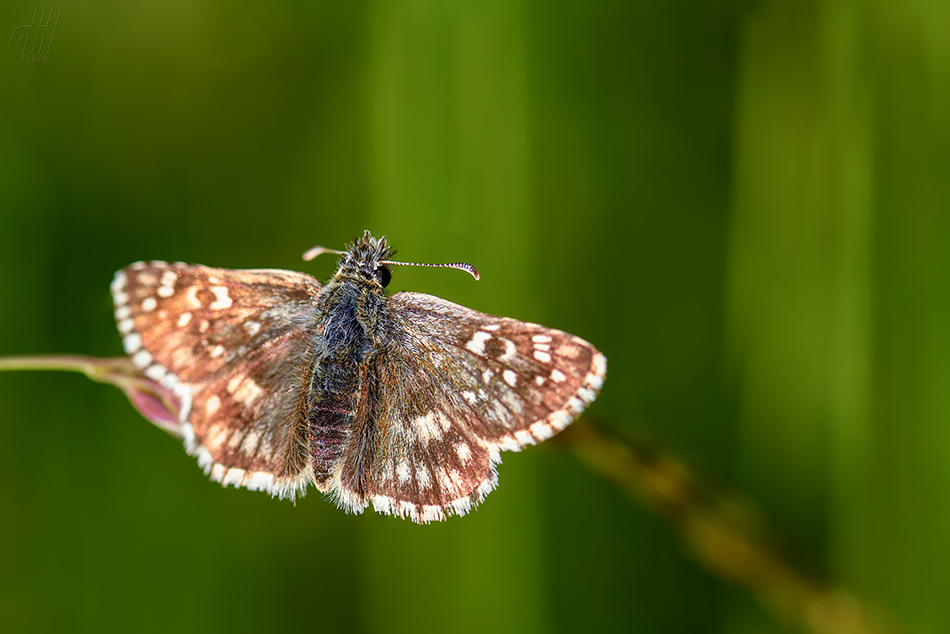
(462, 266)
(318, 250)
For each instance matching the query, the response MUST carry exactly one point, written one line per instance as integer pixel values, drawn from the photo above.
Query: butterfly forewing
(523, 382)
(455, 387)
(234, 346)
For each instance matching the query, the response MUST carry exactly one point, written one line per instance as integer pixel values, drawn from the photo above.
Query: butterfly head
(368, 259)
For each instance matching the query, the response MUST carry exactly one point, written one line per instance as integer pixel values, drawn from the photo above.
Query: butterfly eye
(383, 276)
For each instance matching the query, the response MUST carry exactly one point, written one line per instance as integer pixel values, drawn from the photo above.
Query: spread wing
(450, 389)
(235, 346)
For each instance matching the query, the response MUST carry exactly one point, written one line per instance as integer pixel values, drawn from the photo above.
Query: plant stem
(724, 532)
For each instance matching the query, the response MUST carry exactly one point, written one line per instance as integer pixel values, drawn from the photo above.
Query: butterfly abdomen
(337, 381)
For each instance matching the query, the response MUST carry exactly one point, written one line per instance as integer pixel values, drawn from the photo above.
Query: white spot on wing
(217, 434)
(587, 395)
(266, 451)
(235, 382)
(464, 452)
(260, 481)
(132, 343)
(165, 291)
(444, 480)
(510, 399)
(423, 478)
(403, 472)
(541, 339)
(477, 343)
(184, 320)
(250, 443)
(192, 296)
(119, 281)
(234, 476)
(212, 404)
(501, 413)
(252, 327)
(508, 443)
(244, 389)
(222, 300)
(149, 304)
(382, 504)
(155, 372)
(542, 356)
(524, 437)
(427, 428)
(141, 359)
(510, 351)
(594, 381)
(182, 356)
(560, 419)
(510, 377)
(557, 376)
(569, 351)
(444, 421)
(541, 430)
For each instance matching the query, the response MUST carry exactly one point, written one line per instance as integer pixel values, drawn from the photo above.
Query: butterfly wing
(449, 391)
(234, 346)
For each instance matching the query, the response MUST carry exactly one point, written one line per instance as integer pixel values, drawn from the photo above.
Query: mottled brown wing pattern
(233, 345)
(452, 389)
(415, 454)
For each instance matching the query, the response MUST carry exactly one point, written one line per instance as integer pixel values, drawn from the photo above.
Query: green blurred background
(743, 204)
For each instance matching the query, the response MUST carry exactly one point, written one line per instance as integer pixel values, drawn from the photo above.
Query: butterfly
(403, 402)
